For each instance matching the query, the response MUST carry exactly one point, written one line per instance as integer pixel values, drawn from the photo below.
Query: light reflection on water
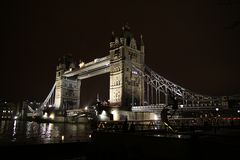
(180, 136)
(33, 132)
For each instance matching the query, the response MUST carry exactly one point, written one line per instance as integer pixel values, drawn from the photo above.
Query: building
(8, 110)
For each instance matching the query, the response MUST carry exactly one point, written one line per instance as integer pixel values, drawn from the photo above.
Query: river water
(26, 132)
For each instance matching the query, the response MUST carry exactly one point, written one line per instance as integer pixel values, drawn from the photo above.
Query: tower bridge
(133, 85)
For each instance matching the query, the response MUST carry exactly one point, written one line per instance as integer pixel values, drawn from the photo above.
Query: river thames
(29, 132)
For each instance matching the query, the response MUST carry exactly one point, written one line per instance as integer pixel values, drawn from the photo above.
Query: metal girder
(158, 82)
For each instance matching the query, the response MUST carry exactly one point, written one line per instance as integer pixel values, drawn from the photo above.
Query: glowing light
(134, 72)
(15, 117)
(62, 138)
(238, 111)
(217, 109)
(14, 128)
(90, 136)
(45, 115)
(155, 117)
(81, 64)
(179, 136)
(52, 116)
(50, 105)
(86, 108)
(103, 115)
(96, 60)
(181, 105)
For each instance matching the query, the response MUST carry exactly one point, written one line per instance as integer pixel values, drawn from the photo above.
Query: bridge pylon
(67, 93)
(126, 86)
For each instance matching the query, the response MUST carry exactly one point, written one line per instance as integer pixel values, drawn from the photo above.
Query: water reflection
(180, 136)
(33, 132)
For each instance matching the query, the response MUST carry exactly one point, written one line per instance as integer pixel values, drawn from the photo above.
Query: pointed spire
(113, 37)
(98, 100)
(142, 43)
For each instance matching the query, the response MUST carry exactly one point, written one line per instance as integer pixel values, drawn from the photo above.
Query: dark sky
(192, 43)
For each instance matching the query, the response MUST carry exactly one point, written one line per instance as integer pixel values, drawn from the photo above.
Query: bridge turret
(67, 93)
(126, 39)
(126, 87)
(112, 40)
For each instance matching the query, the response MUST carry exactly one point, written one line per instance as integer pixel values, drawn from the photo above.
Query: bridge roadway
(97, 67)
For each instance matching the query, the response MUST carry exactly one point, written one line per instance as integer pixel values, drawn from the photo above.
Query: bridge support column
(126, 83)
(156, 96)
(166, 96)
(151, 94)
(79, 93)
(159, 96)
(148, 100)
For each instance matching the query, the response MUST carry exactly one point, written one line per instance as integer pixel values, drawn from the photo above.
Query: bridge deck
(91, 69)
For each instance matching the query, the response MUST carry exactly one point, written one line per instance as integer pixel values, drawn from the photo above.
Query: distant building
(8, 110)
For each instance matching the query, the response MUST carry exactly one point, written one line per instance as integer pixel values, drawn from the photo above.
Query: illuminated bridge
(133, 85)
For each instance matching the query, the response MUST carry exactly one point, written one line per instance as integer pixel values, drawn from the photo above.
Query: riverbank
(106, 145)
(57, 119)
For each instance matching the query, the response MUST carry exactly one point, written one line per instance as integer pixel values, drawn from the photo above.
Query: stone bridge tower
(67, 93)
(126, 86)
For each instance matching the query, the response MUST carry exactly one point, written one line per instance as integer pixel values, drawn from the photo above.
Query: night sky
(195, 44)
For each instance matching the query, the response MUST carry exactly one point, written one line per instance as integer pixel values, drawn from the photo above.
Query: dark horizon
(193, 44)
